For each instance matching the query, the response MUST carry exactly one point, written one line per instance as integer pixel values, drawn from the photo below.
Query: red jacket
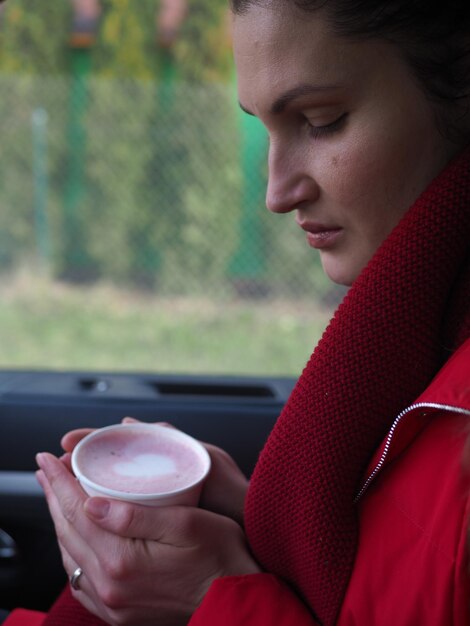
(411, 566)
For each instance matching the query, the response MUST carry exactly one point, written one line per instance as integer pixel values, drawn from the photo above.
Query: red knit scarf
(406, 311)
(381, 349)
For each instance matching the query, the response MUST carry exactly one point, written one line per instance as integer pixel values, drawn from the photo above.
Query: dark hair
(434, 38)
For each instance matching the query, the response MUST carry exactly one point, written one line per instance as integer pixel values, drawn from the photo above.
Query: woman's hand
(141, 565)
(224, 490)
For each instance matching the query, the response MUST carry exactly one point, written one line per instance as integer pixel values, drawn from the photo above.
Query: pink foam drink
(143, 463)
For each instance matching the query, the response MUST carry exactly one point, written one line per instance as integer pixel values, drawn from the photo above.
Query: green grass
(44, 324)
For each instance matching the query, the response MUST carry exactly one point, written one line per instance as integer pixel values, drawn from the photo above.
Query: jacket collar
(449, 391)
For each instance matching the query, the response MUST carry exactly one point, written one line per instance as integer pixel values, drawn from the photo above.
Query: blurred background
(133, 232)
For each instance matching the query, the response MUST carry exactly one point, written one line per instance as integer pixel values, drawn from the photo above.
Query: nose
(289, 183)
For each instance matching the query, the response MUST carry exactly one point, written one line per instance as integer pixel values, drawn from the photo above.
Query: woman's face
(353, 140)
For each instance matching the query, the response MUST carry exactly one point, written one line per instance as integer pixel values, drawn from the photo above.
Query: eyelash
(317, 132)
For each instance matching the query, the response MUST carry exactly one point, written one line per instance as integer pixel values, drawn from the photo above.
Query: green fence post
(166, 85)
(147, 255)
(248, 264)
(77, 264)
(39, 120)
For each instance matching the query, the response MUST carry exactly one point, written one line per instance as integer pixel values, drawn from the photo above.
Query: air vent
(213, 390)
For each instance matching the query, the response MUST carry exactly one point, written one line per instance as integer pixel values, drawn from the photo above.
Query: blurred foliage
(151, 138)
(203, 51)
(125, 47)
(34, 37)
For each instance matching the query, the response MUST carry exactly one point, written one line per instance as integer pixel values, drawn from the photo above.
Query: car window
(133, 232)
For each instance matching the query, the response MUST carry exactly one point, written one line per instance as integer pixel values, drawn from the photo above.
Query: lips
(321, 236)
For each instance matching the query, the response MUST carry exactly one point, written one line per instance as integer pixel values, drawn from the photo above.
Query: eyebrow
(281, 103)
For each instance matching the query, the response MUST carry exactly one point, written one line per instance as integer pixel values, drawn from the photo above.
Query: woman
(368, 111)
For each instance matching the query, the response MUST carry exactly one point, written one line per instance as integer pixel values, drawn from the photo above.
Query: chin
(342, 267)
(339, 274)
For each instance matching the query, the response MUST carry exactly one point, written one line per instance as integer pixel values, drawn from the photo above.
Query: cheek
(368, 171)
(352, 173)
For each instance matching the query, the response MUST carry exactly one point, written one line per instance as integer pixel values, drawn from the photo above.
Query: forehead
(279, 46)
(275, 28)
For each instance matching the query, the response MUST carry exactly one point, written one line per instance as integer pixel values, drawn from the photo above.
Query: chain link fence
(138, 182)
(132, 188)
(133, 232)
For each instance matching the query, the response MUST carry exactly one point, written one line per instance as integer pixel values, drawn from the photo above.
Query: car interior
(38, 407)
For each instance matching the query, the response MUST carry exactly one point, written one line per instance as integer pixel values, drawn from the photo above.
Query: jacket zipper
(419, 405)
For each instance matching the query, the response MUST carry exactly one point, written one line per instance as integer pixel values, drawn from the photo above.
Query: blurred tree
(34, 36)
(203, 51)
(124, 48)
(160, 161)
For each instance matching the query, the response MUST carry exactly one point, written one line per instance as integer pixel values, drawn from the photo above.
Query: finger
(69, 539)
(65, 498)
(130, 420)
(76, 552)
(83, 591)
(66, 459)
(70, 439)
(81, 586)
(167, 524)
(79, 552)
(60, 486)
(167, 425)
(69, 564)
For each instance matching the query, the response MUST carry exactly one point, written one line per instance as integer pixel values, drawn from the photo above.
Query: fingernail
(97, 507)
(42, 480)
(40, 459)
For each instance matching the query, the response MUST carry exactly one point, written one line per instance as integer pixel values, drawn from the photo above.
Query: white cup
(142, 463)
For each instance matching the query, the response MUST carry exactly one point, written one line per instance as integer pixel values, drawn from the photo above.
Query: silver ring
(75, 579)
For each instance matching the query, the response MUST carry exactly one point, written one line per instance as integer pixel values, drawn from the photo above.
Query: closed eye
(327, 129)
